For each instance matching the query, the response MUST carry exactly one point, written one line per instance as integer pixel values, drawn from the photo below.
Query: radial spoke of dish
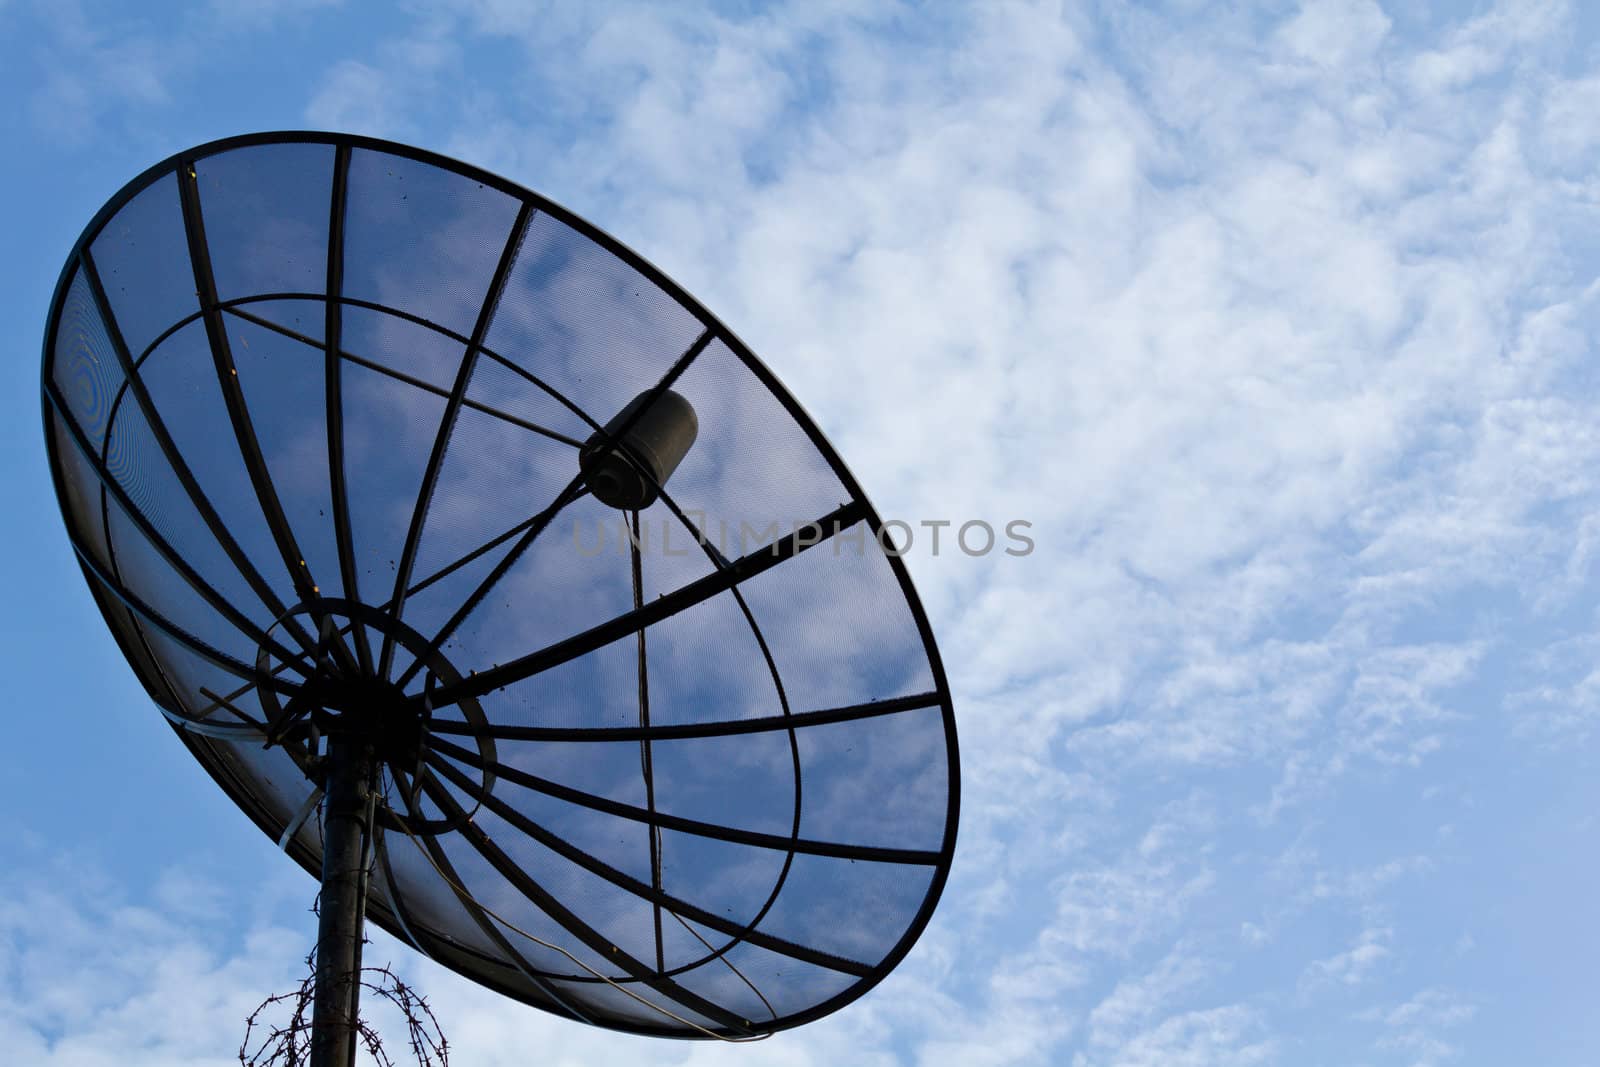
(163, 547)
(447, 423)
(135, 604)
(437, 858)
(333, 407)
(571, 492)
(556, 844)
(678, 731)
(741, 569)
(717, 831)
(436, 576)
(244, 433)
(565, 848)
(592, 938)
(169, 452)
(679, 365)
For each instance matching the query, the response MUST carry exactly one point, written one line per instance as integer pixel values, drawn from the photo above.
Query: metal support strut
(346, 831)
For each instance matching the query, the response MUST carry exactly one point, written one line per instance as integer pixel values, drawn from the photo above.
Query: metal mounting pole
(345, 831)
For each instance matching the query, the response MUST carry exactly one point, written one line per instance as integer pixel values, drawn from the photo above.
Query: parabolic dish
(314, 407)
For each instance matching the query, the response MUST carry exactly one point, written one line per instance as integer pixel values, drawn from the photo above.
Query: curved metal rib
(400, 376)
(237, 304)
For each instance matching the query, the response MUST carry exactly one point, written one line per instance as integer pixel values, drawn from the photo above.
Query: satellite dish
(417, 501)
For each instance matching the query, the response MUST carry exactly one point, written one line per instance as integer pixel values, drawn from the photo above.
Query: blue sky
(1275, 323)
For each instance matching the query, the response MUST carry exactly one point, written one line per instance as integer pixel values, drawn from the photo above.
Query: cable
(724, 958)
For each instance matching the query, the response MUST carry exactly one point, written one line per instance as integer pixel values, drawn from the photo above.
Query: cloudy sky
(1274, 322)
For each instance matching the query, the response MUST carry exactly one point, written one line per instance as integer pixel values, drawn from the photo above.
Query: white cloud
(355, 96)
(93, 70)
(91, 63)
(1135, 1001)
(1353, 966)
(1419, 1027)
(1335, 32)
(1275, 323)
(1485, 44)
(1267, 323)
(94, 973)
(1229, 1035)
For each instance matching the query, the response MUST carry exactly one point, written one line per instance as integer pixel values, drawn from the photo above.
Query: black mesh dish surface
(314, 407)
